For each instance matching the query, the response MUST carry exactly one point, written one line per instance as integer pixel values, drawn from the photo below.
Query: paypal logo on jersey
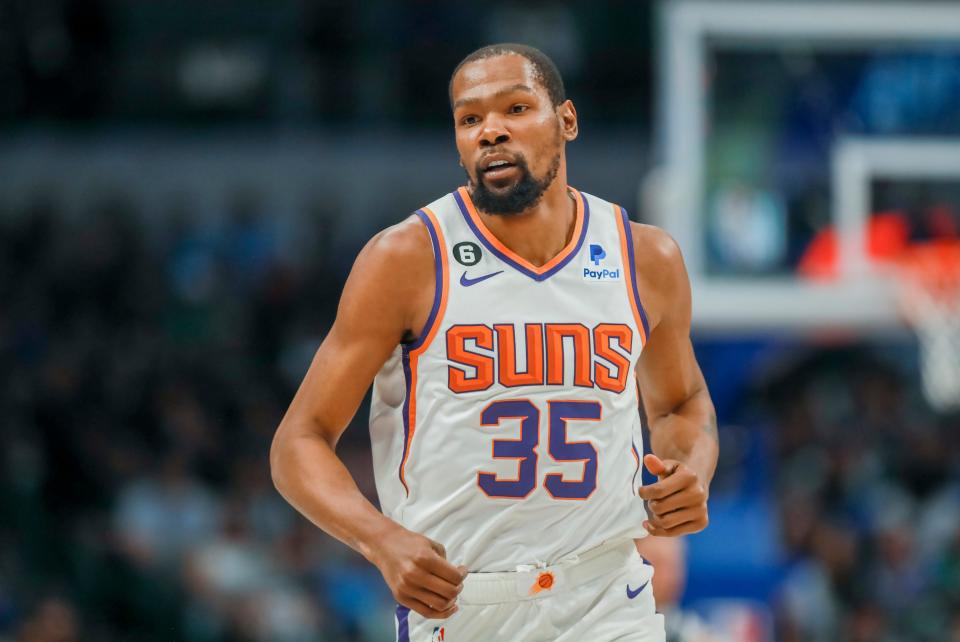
(598, 274)
(606, 274)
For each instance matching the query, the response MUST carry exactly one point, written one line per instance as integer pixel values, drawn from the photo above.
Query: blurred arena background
(184, 185)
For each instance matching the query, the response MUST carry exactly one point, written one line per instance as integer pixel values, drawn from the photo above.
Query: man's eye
(516, 109)
(468, 120)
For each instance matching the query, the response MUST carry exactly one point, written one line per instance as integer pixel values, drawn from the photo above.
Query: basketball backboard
(775, 131)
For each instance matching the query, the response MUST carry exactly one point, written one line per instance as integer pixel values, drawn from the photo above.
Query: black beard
(523, 195)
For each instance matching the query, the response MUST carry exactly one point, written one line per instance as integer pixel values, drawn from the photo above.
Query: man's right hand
(418, 573)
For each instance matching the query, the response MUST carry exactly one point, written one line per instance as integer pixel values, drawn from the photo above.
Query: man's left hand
(677, 503)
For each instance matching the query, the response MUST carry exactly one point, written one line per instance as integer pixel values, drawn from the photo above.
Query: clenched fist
(677, 503)
(418, 573)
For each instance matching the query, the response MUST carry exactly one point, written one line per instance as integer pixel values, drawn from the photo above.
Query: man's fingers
(654, 521)
(442, 587)
(678, 517)
(433, 601)
(652, 491)
(683, 529)
(697, 523)
(444, 570)
(678, 480)
(653, 464)
(445, 614)
(427, 611)
(438, 547)
(660, 467)
(685, 499)
(654, 530)
(663, 488)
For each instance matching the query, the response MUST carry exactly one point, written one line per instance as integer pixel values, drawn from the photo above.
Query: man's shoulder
(408, 243)
(654, 249)
(661, 275)
(405, 241)
(398, 260)
(396, 270)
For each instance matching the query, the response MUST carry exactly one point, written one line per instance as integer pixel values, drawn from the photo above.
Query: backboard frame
(858, 300)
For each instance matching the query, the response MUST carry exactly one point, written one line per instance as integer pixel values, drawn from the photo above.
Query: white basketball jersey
(509, 431)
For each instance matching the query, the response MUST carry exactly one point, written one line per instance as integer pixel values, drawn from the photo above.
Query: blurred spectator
(238, 592)
(160, 517)
(54, 620)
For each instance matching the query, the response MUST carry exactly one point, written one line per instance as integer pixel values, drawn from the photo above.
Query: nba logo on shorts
(437, 634)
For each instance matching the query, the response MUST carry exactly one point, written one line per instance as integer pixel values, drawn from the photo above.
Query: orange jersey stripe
(495, 242)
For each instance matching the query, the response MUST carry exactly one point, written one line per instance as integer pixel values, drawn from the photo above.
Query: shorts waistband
(535, 581)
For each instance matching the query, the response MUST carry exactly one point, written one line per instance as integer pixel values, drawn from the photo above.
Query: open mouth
(499, 169)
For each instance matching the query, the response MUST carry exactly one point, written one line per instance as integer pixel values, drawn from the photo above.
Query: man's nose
(494, 133)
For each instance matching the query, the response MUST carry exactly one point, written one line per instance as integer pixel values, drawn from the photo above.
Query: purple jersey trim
(437, 283)
(632, 263)
(506, 259)
(407, 379)
(408, 348)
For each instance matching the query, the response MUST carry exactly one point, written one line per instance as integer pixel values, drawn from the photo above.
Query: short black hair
(545, 71)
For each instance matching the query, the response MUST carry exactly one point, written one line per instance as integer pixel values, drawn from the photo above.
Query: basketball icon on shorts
(544, 583)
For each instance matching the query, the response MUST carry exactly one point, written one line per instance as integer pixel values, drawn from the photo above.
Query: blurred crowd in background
(142, 379)
(148, 351)
(867, 486)
(378, 63)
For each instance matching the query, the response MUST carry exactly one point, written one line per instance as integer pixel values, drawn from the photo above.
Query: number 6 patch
(467, 253)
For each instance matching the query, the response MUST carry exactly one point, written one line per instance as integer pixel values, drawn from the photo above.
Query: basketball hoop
(929, 293)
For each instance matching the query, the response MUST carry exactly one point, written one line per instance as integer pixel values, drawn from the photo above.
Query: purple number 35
(524, 449)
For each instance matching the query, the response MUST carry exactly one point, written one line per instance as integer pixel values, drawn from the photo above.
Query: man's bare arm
(389, 291)
(682, 421)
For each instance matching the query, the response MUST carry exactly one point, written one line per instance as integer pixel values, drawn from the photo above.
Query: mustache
(517, 159)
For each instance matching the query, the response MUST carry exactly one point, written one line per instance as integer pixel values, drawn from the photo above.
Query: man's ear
(568, 120)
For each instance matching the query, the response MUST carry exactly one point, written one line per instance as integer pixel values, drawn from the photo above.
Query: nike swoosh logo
(465, 282)
(633, 594)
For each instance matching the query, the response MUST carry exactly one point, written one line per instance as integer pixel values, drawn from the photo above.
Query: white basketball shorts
(602, 595)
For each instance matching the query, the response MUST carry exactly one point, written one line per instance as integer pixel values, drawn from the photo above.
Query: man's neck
(541, 232)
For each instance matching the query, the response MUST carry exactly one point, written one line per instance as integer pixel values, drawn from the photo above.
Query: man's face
(509, 134)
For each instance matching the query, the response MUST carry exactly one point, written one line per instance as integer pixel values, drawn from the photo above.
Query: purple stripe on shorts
(403, 624)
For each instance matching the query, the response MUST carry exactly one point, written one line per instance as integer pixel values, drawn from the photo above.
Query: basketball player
(505, 328)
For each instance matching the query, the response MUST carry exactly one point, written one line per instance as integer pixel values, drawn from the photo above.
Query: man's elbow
(289, 438)
(281, 455)
(276, 460)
